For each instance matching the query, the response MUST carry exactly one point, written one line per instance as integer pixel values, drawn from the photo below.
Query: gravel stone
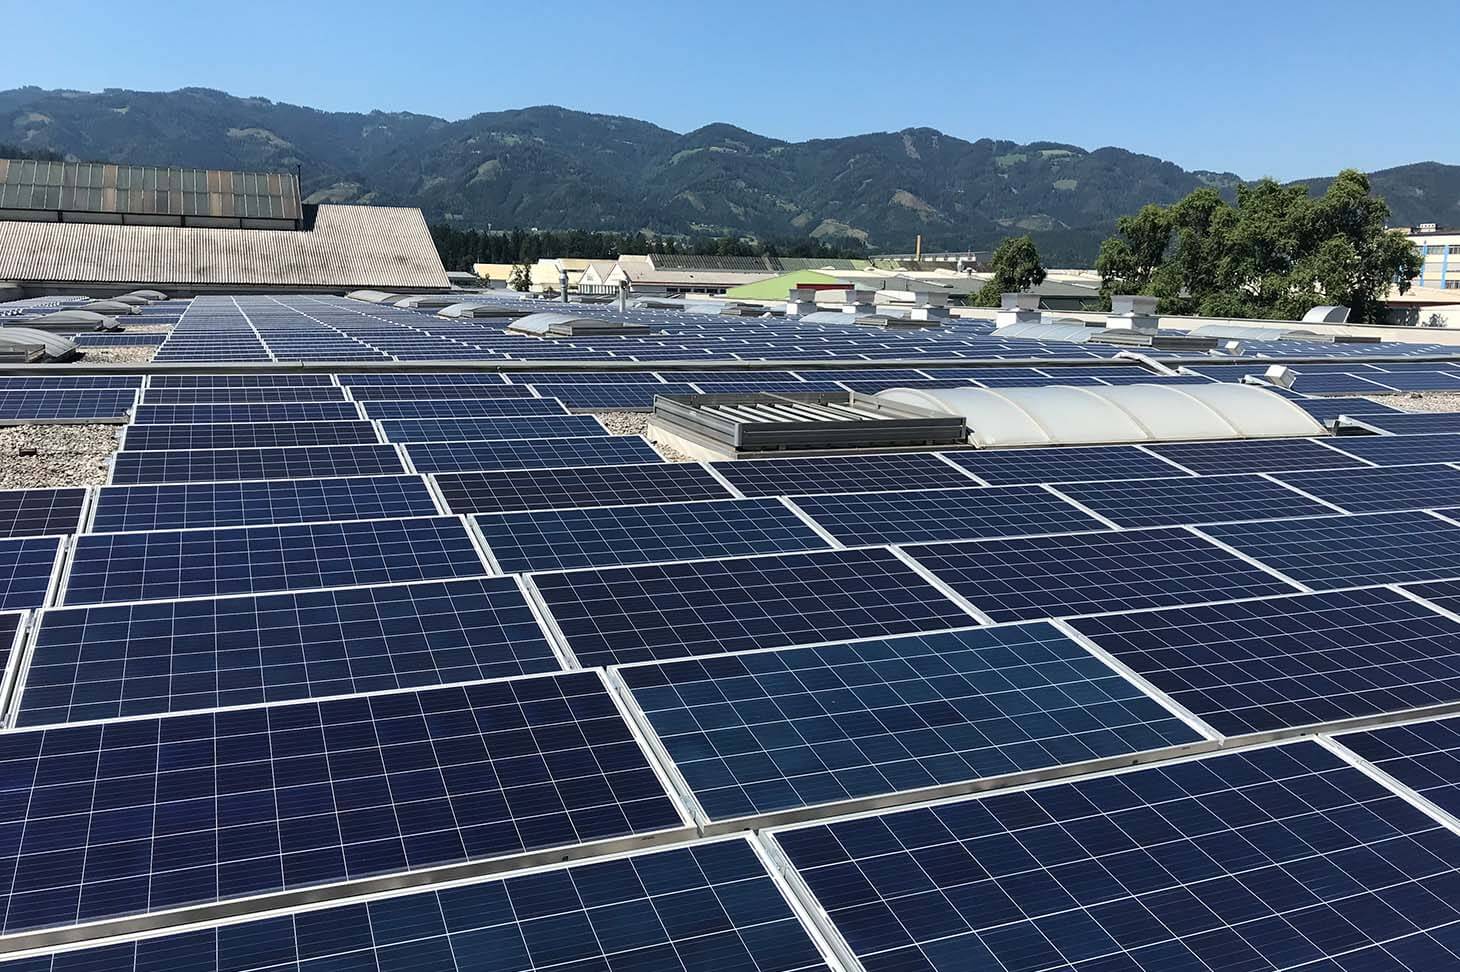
(33, 456)
(1434, 401)
(119, 355)
(637, 423)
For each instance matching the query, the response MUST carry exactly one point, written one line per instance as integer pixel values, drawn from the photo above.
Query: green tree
(1275, 254)
(1016, 268)
(521, 278)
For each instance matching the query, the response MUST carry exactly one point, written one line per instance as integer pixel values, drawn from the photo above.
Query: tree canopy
(1016, 268)
(1276, 254)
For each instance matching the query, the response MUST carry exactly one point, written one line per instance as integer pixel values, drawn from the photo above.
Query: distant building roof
(348, 247)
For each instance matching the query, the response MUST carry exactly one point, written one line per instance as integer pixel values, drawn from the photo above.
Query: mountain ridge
(555, 168)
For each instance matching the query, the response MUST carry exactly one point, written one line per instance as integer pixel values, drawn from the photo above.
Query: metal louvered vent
(764, 421)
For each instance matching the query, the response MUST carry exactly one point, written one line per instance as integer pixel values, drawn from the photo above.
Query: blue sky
(1273, 88)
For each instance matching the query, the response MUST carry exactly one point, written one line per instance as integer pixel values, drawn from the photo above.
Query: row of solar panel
(1274, 857)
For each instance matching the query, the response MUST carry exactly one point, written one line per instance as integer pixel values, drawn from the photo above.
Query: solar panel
(1208, 499)
(1067, 464)
(537, 489)
(66, 406)
(762, 732)
(625, 614)
(463, 408)
(27, 567)
(944, 514)
(246, 394)
(1411, 423)
(708, 905)
(188, 809)
(490, 380)
(1280, 663)
(223, 465)
(1418, 380)
(841, 474)
(1374, 490)
(187, 505)
(40, 512)
(1327, 409)
(1326, 384)
(607, 536)
(111, 567)
(1254, 456)
(1351, 551)
(1420, 755)
(404, 390)
(257, 412)
(481, 429)
(1399, 450)
(246, 435)
(600, 450)
(240, 381)
(1277, 857)
(1016, 580)
(616, 395)
(174, 656)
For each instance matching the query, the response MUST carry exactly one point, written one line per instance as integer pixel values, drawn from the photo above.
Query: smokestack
(918, 253)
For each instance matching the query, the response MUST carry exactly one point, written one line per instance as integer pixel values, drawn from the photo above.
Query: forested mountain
(552, 168)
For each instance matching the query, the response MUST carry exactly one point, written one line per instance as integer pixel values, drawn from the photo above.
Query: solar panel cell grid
(462, 408)
(627, 614)
(115, 567)
(1015, 580)
(1211, 499)
(1420, 755)
(1280, 663)
(607, 536)
(27, 567)
(247, 435)
(244, 412)
(1376, 490)
(188, 505)
(1273, 858)
(602, 450)
(482, 429)
(149, 814)
(1254, 456)
(762, 732)
(945, 514)
(172, 656)
(39, 512)
(1395, 450)
(1068, 464)
(706, 906)
(583, 486)
(841, 474)
(225, 465)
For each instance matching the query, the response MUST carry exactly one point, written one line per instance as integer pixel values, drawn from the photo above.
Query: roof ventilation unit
(153, 295)
(426, 300)
(110, 307)
(1160, 340)
(370, 296)
(889, 320)
(568, 325)
(476, 309)
(718, 426)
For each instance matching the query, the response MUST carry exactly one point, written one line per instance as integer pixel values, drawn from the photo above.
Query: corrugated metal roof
(349, 247)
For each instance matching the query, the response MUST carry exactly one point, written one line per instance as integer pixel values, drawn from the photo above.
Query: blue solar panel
(65, 406)
(111, 567)
(173, 656)
(1280, 663)
(944, 514)
(241, 381)
(767, 731)
(188, 809)
(601, 450)
(1351, 551)
(1418, 380)
(1411, 423)
(417, 392)
(1208, 499)
(261, 412)
(463, 408)
(1421, 755)
(1374, 490)
(186, 505)
(224, 465)
(627, 614)
(481, 429)
(1399, 450)
(27, 566)
(607, 536)
(1254, 456)
(425, 380)
(1334, 383)
(538, 489)
(1069, 464)
(65, 383)
(841, 474)
(247, 435)
(40, 512)
(1271, 858)
(133, 340)
(236, 393)
(1016, 580)
(615, 395)
(1326, 410)
(709, 905)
